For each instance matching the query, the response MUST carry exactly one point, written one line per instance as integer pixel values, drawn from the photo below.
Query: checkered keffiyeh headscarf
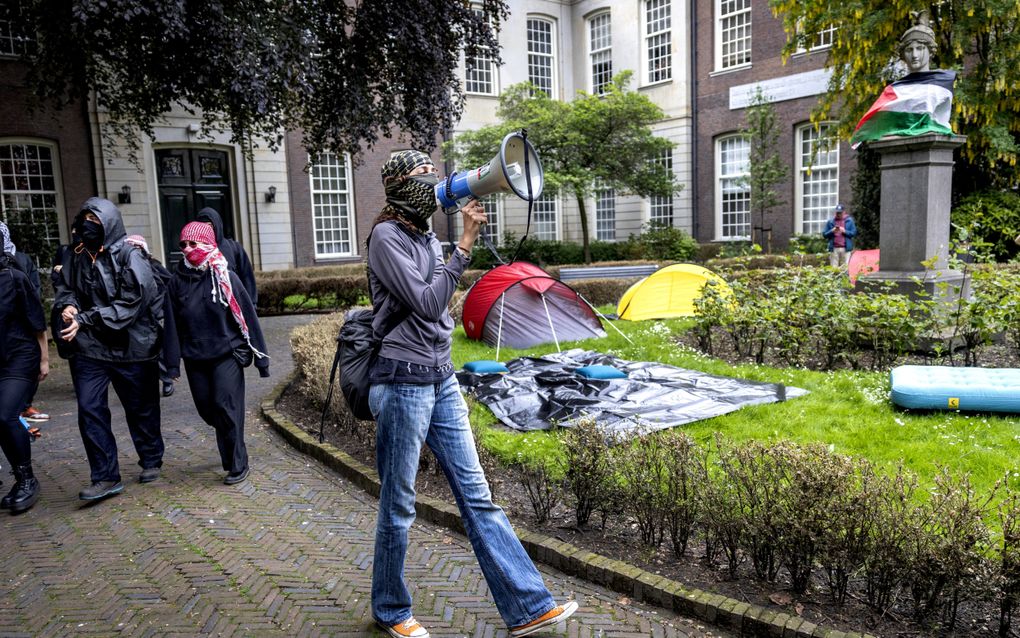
(402, 163)
(8, 245)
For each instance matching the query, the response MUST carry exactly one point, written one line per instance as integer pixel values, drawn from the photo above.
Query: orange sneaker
(35, 416)
(407, 629)
(551, 617)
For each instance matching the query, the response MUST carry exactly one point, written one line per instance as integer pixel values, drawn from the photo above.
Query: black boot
(26, 489)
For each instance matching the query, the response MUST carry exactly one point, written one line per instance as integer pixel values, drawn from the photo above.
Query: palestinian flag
(919, 103)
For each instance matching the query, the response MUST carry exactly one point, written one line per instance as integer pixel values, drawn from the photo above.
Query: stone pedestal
(917, 184)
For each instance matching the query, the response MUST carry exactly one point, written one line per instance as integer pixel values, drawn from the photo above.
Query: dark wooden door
(189, 180)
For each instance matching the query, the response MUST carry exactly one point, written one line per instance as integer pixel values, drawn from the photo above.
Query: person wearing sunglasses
(219, 336)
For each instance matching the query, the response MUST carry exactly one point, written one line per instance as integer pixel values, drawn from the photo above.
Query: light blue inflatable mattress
(951, 388)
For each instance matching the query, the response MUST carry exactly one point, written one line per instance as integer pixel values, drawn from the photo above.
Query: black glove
(264, 373)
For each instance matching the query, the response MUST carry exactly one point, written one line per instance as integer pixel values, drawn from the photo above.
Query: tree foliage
(980, 39)
(342, 72)
(594, 140)
(765, 168)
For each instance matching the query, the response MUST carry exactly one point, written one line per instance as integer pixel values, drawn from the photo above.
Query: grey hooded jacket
(113, 293)
(398, 262)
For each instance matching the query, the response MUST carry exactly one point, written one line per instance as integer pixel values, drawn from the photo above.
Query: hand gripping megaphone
(514, 169)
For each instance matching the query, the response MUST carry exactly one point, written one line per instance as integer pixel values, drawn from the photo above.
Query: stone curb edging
(747, 619)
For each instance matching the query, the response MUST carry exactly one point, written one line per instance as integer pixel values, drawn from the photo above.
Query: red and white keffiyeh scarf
(207, 256)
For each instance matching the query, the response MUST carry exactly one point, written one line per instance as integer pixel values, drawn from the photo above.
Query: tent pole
(499, 332)
(549, 317)
(604, 318)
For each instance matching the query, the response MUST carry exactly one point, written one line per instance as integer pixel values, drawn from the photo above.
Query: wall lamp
(124, 196)
(271, 195)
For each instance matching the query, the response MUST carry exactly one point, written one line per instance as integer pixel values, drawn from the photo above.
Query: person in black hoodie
(237, 259)
(25, 264)
(219, 335)
(24, 361)
(112, 314)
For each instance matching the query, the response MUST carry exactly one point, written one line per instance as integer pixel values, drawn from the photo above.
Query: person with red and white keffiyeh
(219, 335)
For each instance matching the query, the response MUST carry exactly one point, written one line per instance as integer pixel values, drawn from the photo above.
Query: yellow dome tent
(668, 292)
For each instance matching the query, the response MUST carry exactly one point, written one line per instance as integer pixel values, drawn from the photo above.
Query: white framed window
(480, 71)
(546, 217)
(14, 38)
(605, 214)
(600, 51)
(733, 34)
(492, 229)
(821, 40)
(658, 40)
(332, 206)
(542, 55)
(733, 194)
(817, 177)
(30, 194)
(660, 209)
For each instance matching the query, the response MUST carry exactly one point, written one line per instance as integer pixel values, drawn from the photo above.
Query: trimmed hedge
(329, 292)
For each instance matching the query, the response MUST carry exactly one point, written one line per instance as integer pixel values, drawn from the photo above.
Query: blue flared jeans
(408, 415)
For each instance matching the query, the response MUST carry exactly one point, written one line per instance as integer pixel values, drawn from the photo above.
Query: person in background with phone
(416, 401)
(840, 230)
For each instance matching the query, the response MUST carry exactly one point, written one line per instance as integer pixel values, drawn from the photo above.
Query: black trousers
(137, 386)
(14, 439)
(218, 388)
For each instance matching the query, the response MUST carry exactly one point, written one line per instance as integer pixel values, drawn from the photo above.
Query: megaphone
(514, 169)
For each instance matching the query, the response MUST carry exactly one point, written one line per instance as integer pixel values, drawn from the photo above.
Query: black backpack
(356, 352)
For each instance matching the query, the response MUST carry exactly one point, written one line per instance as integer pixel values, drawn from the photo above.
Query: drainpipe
(694, 118)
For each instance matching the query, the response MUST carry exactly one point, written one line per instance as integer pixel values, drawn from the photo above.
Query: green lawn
(848, 411)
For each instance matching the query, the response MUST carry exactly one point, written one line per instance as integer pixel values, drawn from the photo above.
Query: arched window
(600, 51)
(542, 55)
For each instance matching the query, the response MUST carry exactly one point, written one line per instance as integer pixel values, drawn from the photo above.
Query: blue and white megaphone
(515, 169)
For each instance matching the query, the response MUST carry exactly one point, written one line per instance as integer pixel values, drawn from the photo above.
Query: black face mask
(92, 234)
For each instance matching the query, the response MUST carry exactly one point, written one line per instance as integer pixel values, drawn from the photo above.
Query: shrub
(686, 481)
(808, 244)
(334, 292)
(642, 466)
(600, 292)
(588, 467)
(886, 560)
(659, 242)
(542, 485)
(989, 220)
(1009, 557)
(949, 543)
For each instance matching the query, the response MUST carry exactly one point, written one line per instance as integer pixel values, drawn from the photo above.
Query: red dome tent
(520, 305)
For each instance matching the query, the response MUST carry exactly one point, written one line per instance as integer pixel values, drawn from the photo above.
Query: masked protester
(233, 252)
(111, 315)
(24, 362)
(219, 335)
(25, 264)
(416, 401)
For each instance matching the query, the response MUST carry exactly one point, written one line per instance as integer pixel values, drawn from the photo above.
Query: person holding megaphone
(416, 400)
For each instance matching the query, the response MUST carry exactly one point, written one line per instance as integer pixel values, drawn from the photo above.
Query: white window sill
(652, 85)
(734, 69)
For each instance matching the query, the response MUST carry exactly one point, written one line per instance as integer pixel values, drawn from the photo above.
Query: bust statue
(917, 104)
(917, 44)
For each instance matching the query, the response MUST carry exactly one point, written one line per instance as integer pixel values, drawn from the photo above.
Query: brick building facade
(739, 48)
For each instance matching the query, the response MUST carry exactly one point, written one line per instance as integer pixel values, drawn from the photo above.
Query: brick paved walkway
(286, 554)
